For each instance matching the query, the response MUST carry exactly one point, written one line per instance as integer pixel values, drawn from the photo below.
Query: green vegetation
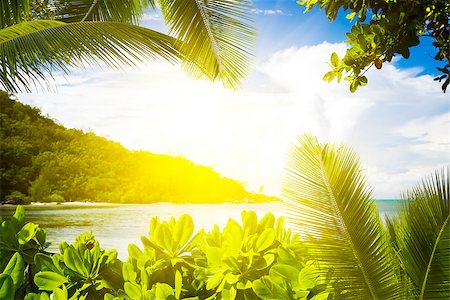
(328, 201)
(255, 260)
(383, 29)
(341, 248)
(211, 38)
(43, 161)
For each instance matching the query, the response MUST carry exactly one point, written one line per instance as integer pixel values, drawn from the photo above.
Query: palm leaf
(328, 202)
(30, 51)
(422, 235)
(216, 36)
(128, 11)
(13, 11)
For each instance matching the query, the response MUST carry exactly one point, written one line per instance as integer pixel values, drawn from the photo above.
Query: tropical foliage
(43, 161)
(383, 29)
(341, 249)
(256, 260)
(329, 203)
(37, 37)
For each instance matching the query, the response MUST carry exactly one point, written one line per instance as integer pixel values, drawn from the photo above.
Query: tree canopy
(41, 160)
(383, 29)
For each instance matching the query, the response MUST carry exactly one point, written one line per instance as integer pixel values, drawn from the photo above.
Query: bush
(255, 260)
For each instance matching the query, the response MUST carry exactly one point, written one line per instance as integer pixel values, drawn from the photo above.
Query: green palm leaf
(216, 36)
(329, 203)
(13, 11)
(422, 235)
(128, 11)
(31, 50)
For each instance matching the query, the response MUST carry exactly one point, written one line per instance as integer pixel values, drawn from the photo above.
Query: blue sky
(298, 28)
(399, 123)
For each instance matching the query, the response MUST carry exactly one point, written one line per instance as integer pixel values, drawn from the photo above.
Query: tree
(383, 29)
(331, 205)
(211, 38)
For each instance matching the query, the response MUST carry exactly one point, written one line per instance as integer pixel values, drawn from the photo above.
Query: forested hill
(42, 161)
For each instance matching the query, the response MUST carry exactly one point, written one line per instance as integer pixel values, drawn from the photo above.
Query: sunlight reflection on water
(119, 225)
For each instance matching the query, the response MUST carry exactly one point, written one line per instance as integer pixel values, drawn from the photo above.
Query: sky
(399, 124)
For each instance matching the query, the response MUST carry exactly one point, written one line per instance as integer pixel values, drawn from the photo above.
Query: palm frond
(215, 35)
(128, 11)
(328, 202)
(30, 51)
(13, 11)
(422, 233)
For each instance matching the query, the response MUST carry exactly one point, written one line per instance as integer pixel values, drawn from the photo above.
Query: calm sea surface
(116, 226)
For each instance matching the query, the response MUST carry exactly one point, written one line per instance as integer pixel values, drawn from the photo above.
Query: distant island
(42, 161)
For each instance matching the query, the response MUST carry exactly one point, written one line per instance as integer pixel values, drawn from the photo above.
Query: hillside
(41, 160)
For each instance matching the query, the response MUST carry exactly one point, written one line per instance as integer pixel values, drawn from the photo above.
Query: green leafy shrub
(19, 243)
(177, 263)
(249, 261)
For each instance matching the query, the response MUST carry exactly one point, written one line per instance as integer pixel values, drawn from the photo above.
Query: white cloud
(268, 12)
(152, 17)
(398, 123)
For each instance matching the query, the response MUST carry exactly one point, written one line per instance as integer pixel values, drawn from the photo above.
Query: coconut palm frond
(13, 11)
(30, 51)
(422, 232)
(216, 36)
(129, 11)
(329, 202)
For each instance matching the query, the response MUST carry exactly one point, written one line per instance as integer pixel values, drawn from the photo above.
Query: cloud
(152, 17)
(398, 123)
(269, 12)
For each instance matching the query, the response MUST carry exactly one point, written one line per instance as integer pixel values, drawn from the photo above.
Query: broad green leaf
(334, 59)
(350, 16)
(285, 271)
(128, 272)
(60, 294)
(214, 281)
(132, 290)
(354, 85)
(27, 233)
(109, 297)
(249, 221)
(233, 236)
(134, 251)
(44, 263)
(229, 293)
(178, 284)
(329, 76)
(163, 291)
(232, 263)
(7, 290)
(16, 269)
(267, 221)
(41, 235)
(44, 296)
(307, 278)
(268, 290)
(265, 240)
(184, 228)
(321, 296)
(214, 256)
(32, 296)
(19, 215)
(233, 278)
(49, 281)
(74, 261)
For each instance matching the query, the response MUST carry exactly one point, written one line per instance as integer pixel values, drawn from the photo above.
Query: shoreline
(112, 204)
